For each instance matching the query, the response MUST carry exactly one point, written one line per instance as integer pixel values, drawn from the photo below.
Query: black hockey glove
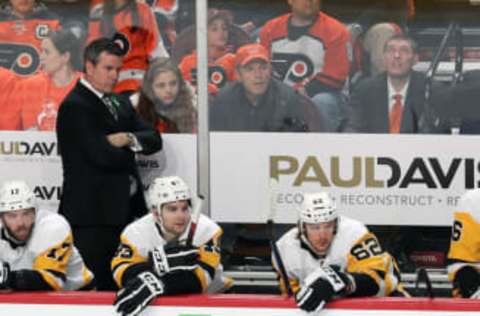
(4, 275)
(138, 293)
(320, 287)
(173, 258)
(467, 280)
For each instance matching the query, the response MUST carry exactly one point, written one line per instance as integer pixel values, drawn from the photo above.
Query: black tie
(107, 100)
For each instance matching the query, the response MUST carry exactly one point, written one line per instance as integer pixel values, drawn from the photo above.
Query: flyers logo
(122, 41)
(216, 75)
(23, 59)
(292, 67)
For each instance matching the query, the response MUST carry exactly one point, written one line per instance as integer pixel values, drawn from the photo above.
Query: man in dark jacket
(391, 102)
(258, 103)
(98, 135)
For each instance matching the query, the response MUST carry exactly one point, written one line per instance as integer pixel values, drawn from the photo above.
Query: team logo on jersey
(216, 75)
(292, 67)
(296, 60)
(41, 31)
(122, 41)
(23, 59)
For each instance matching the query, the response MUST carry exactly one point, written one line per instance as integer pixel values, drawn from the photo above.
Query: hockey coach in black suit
(98, 135)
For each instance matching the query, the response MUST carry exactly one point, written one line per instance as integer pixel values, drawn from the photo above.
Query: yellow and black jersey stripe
(52, 263)
(208, 261)
(126, 256)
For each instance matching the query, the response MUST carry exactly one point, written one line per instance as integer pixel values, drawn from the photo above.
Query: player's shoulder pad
(137, 232)
(470, 203)
(206, 230)
(350, 230)
(50, 229)
(289, 239)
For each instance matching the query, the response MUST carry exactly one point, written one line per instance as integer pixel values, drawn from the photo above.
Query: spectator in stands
(464, 254)
(98, 135)
(9, 105)
(221, 60)
(52, 84)
(36, 246)
(168, 251)
(330, 256)
(311, 51)
(391, 102)
(133, 27)
(23, 26)
(166, 100)
(373, 43)
(165, 12)
(256, 102)
(234, 36)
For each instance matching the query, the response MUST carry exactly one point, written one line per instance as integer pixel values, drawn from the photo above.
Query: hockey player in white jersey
(36, 246)
(164, 253)
(464, 253)
(330, 256)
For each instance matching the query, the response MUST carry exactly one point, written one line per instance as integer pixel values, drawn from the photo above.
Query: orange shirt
(322, 53)
(9, 106)
(221, 71)
(141, 43)
(39, 110)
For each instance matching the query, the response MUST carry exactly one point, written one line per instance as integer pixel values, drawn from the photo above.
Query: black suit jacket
(369, 111)
(96, 175)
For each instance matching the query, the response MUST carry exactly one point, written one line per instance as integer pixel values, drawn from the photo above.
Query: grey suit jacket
(368, 106)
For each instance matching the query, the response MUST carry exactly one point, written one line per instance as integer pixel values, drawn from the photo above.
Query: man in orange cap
(257, 102)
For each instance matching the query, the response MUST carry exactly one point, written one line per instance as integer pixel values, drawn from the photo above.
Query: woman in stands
(41, 94)
(133, 26)
(166, 100)
(222, 41)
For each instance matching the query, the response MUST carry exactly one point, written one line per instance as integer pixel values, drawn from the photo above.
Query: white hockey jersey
(465, 240)
(354, 250)
(49, 251)
(142, 236)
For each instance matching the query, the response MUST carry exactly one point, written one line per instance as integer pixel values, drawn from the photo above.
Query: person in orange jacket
(133, 26)
(9, 107)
